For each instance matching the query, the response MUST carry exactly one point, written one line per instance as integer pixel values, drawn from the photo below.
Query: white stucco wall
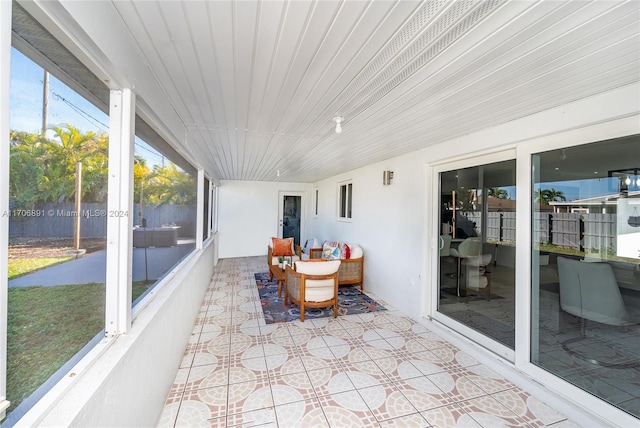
(248, 215)
(387, 222)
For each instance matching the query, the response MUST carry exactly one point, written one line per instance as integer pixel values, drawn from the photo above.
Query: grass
(19, 267)
(46, 327)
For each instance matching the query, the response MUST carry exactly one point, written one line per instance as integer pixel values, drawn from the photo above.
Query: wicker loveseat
(351, 269)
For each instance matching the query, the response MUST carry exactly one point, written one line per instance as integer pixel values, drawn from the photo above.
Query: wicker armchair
(351, 270)
(313, 285)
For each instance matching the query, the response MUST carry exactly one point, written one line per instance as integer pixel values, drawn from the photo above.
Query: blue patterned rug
(350, 301)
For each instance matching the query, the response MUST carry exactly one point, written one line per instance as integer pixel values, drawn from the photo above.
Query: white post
(200, 209)
(119, 212)
(5, 82)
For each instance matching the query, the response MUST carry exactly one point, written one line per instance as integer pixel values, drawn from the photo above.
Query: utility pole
(76, 231)
(45, 102)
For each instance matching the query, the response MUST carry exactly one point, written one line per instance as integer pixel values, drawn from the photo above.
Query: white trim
(200, 209)
(523, 258)
(5, 84)
(209, 211)
(215, 208)
(349, 196)
(120, 199)
(303, 212)
(431, 210)
(316, 201)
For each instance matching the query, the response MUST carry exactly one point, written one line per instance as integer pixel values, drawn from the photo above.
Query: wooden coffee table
(281, 276)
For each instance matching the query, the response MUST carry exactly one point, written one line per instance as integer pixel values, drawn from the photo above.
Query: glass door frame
(434, 227)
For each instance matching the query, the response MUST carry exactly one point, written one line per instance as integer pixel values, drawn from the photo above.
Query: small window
(316, 204)
(344, 200)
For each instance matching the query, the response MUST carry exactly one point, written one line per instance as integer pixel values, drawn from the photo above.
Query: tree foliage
(545, 196)
(44, 170)
(497, 192)
(169, 185)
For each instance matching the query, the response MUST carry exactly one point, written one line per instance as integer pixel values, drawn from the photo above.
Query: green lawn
(46, 327)
(19, 267)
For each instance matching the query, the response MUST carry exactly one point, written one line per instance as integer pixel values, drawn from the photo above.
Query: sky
(65, 106)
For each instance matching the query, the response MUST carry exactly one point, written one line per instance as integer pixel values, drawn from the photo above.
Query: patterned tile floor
(381, 370)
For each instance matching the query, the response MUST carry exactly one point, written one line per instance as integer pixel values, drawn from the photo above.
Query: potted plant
(281, 262)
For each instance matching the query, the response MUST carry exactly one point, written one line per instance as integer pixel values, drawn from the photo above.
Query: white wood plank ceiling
(255, 84)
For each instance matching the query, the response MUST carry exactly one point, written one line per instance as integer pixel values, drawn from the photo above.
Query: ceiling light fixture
(338, 120)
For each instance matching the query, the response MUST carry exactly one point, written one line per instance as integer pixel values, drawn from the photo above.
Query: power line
(104, 128)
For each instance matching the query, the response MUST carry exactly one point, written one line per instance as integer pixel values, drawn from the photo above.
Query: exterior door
(475, 267)
(291, 216)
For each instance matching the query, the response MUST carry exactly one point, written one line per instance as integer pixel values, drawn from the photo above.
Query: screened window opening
(165, 214)
(58, 147)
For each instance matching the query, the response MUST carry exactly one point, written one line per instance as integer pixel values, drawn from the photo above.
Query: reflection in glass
(477, 248)
(586, 268)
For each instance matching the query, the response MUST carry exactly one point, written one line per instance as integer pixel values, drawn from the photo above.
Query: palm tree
(545, 196)
(497, 192)
(73, 146)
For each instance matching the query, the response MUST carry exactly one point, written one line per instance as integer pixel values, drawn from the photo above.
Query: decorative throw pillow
(282, 247)
(356, 251)
(331, 250)
(345, 251)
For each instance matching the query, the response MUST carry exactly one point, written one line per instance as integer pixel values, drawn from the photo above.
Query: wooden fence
(51, 220)
(582, 231)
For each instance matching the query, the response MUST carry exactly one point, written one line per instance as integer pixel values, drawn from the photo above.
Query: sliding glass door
(586, 268)
(476, 266)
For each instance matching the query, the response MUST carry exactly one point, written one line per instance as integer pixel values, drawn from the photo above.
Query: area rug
(350, 301)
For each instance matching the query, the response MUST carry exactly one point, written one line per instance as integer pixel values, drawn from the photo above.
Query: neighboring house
(599, 205)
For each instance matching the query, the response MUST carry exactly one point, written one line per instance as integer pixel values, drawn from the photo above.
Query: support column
(200, 209)
(120, 212)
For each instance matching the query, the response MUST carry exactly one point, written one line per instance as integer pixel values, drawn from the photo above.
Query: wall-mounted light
(386, 177)
(338, 120)
(626, 178)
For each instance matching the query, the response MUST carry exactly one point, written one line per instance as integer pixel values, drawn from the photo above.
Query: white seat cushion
(318, 290)
(317, 268)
